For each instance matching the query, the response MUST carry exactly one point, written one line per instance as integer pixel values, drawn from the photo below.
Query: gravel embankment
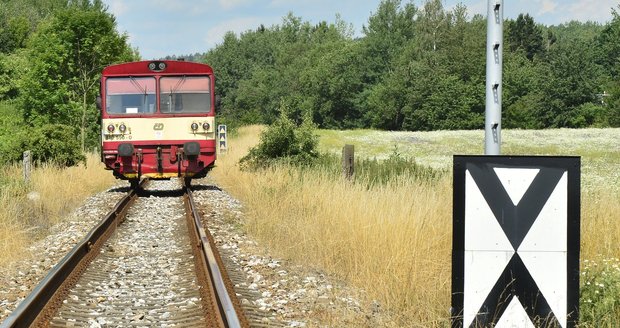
(285, 294)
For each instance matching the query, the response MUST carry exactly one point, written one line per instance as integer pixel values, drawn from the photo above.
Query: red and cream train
(158, 120)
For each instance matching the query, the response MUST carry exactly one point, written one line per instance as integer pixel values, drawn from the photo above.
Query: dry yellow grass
(394, 241)
(600, 224)
(12, 235)
(29, 209)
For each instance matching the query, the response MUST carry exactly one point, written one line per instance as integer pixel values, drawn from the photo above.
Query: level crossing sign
(515, 258)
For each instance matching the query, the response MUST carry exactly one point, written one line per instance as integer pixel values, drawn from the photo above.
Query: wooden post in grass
(26, 166)
(348, 161)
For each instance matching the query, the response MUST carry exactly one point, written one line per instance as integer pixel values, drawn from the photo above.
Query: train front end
(158, 120)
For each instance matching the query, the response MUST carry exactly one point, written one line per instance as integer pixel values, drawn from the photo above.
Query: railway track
(156, 268)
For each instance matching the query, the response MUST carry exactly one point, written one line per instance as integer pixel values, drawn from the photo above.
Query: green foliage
(522, 98)
(613, 105)
(396, 167)
(13, 133)
(599, 305)
(284, 141)
(66, 55)
(11, 69)
(418, 68)
(524, 35)
(55, 143)
(565, 90)
(51, 56)
(388, 31)
(374, 172)
(609, 43)
(14, 33)
(332, 82)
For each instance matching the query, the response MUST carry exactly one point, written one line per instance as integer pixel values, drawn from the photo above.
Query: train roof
(150, 67)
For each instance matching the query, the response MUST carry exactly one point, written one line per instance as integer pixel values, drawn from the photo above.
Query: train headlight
(194, 126)
(205, 126)
(111, 128)
(157, 66)
(122, 128)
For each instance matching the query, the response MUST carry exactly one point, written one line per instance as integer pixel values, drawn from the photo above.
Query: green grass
(599, 305)
(599, 148)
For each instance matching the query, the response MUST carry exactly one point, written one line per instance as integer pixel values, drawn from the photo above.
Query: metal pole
(493, 113)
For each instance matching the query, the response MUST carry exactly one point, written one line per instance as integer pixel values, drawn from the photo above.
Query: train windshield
(129, 95)
(184, 94)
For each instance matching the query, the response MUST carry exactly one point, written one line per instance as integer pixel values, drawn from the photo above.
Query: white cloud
(478, 7)
(231, 4)
(215, 34)
(118, 7)
(587, 10)
(194, 7)
(547, 6)
(279, 3)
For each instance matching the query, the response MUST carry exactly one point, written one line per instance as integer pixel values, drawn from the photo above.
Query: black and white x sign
(515, 259)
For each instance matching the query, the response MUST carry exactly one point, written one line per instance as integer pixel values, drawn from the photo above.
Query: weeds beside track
(394, 238)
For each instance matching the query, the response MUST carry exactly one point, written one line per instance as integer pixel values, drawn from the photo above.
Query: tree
(524, 34)
(331, 78)
(573, 79)
(387, 32)
(609, 42)
(67, 54)
(432, 25)
(14, 33)
(522, 99)
(419, 69)
(19, 18)
(12, 67)
(235, 61)
(55, 143)
(613, 106)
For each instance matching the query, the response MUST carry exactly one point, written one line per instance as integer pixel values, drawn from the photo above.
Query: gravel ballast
(283, 293)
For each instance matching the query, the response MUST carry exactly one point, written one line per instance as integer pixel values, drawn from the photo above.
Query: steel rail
(225, 304)
(34, 305)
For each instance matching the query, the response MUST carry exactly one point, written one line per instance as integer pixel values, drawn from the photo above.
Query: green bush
(56, 143)
(284, 141)
(394, 167)
(13, 133)
(374, 172)
(599, 305)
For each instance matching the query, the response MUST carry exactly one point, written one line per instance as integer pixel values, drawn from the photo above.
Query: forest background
(414, 68)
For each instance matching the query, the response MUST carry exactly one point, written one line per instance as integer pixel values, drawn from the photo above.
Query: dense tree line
(420, 68)
(414, 68)
(51, 56)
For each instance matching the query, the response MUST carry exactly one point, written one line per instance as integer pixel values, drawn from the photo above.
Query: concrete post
(348, 161)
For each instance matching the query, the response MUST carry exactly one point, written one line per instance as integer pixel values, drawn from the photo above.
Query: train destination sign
(515, 249)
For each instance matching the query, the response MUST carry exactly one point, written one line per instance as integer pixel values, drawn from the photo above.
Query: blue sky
(164, 27)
